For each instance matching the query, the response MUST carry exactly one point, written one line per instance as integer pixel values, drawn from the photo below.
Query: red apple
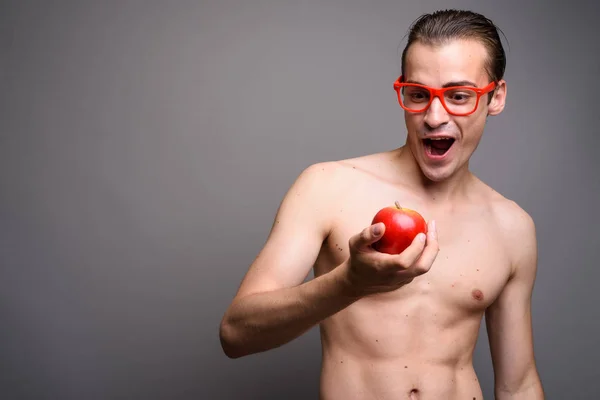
(401, 227)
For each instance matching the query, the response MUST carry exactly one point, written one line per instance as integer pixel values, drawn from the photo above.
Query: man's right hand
(370, 271)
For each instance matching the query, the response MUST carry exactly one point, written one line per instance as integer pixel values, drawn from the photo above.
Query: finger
(412, 253)
(425, 261)
(367, 236)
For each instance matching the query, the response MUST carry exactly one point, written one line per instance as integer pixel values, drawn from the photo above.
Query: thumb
(368, 236)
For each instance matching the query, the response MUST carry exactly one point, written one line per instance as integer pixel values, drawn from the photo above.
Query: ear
(498, 99)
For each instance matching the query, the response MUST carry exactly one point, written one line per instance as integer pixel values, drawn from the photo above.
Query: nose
(436, 115)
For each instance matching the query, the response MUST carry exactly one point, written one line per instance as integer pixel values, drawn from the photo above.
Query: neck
(451, 189)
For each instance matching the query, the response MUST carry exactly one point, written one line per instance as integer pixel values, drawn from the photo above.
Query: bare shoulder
(512, 218)
(318, 186)
(342, 172)
(312, 192)
(381, 167)
(322, 179)
(517, 230)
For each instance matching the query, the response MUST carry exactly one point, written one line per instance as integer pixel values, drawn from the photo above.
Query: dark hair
(445, 25)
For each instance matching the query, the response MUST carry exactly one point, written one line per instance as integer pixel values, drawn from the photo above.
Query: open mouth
(438, 146)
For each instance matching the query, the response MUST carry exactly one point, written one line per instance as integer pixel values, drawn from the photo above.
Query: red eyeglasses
(457, 100)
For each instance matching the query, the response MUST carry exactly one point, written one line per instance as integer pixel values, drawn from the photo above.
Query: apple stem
(398, 205)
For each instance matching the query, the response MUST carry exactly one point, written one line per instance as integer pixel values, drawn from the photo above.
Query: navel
(414, 394)
(477, 294)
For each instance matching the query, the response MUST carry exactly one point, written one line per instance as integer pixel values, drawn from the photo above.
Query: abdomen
(348, 378)
(383, 328)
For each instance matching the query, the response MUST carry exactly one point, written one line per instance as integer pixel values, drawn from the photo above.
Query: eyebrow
(448, 84)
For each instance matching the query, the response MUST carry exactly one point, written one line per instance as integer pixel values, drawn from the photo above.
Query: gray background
(145, 147)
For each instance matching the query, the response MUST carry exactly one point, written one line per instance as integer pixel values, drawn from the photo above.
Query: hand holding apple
(369, 271)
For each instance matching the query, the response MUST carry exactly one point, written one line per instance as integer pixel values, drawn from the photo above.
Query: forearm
(263, 321)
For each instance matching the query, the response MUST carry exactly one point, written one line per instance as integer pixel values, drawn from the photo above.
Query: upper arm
(300, 226)
(508, 319)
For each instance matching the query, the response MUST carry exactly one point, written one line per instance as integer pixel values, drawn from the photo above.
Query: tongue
(439, 147)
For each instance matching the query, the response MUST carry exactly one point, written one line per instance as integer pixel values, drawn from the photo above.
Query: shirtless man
(405, 326)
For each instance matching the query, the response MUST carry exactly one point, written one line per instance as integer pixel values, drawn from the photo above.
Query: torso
(415, 342)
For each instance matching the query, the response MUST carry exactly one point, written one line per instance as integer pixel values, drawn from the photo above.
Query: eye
(417, 95)
(460, 96)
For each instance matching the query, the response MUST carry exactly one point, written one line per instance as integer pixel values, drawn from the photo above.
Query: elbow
(230, 345)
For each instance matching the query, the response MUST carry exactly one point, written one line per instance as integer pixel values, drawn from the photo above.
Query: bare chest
(468, 274)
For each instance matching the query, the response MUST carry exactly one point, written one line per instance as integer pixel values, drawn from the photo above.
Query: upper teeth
(441, 138)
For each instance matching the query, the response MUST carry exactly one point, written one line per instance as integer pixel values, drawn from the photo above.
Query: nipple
(477, 294)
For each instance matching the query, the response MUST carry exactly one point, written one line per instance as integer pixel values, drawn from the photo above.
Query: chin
(432, 171)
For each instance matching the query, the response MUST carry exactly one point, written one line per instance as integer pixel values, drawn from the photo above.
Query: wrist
(346, 285)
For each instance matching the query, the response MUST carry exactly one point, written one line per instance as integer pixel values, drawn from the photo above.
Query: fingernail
(422, 237)
(377, 230)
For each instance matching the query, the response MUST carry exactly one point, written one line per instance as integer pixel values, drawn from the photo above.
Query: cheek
(472, 125)
(413, 123)
(472, 128)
